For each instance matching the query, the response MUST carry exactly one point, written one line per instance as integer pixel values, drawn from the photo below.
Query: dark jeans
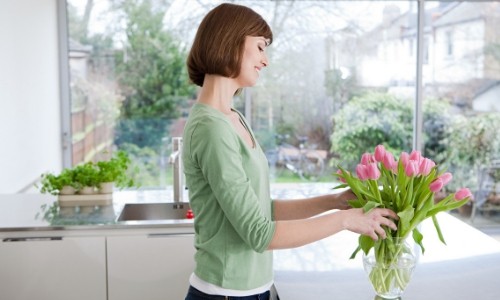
(194, 294)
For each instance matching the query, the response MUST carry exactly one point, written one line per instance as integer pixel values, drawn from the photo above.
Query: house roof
(76, 46)
(462, 12)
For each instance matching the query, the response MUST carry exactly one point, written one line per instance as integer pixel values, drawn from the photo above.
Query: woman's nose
(264, 60)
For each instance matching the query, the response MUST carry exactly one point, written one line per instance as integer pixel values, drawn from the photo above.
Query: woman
(236, 222)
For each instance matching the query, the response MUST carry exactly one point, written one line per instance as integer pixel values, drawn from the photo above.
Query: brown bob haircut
(219, 43)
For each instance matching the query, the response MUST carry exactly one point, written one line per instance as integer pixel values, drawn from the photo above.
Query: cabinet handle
(158, 235)
(30, 239)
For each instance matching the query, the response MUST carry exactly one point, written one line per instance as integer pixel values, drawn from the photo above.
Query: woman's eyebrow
(266, 41)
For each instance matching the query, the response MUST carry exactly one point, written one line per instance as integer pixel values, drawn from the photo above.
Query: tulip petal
(379, 153)
(436, 185)
(462, 194)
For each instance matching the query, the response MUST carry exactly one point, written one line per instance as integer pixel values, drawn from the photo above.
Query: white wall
(30, 129)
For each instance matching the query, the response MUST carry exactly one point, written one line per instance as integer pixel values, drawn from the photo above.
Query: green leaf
(409, 195)
(353, 255)
(341, 186)
(438, 229)
(448, 204)
(405, 218)
(370, 205)
(366, 243)
(418, 237)
(356, 203)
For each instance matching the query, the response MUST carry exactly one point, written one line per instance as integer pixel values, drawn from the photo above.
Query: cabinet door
(149, 267)
(53, 268)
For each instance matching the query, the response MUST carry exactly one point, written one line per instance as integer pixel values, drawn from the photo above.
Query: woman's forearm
(296, 233)
(301, 208)
(306, 208)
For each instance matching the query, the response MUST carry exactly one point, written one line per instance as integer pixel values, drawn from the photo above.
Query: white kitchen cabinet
(149, 267)
(53, 268)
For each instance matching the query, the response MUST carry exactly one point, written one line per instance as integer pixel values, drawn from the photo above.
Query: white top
(212, 289)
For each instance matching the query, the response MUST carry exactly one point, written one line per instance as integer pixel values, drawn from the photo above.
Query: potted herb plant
(89, 178)
(63, 183)
(114, 172)
(86, 178)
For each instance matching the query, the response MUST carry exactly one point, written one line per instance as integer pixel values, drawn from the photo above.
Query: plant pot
(67, 190)
(465, 210)
(389, 267)
(439, 196)
(106, 187)
(87, 190)
(494, 198)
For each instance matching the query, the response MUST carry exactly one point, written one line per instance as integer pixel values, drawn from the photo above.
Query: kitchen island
(468, 267)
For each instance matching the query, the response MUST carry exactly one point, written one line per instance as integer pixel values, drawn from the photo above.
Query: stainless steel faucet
(176, 160)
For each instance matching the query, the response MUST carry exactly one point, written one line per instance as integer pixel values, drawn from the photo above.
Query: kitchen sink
(154, 211)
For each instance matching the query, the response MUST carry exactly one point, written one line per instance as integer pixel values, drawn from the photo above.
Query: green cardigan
(228, 184)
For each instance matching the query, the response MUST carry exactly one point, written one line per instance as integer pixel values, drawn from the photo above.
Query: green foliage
(52, 184)
(86, 175)
(471, 142)
(369, 120)
(117, 170)
(436, 120)
(474, 140)
(146, 164)
(380, 118)
(151, 69)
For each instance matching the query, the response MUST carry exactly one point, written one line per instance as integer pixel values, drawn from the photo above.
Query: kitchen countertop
(31, 212)
(39, 212)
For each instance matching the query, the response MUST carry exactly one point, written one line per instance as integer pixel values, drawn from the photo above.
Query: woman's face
(254, 59)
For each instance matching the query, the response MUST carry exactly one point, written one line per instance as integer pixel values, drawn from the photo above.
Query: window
(449, 43)
(340, 74)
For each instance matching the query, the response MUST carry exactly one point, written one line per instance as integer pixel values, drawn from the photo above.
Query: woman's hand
(340, 199)
(370, 224)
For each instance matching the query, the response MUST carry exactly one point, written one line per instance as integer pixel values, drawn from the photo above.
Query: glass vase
(389, 265)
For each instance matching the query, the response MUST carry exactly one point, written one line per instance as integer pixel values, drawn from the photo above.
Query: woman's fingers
(385, 212)
(383, 217)
(373, 223)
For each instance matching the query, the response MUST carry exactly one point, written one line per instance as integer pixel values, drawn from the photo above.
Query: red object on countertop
(189, 214)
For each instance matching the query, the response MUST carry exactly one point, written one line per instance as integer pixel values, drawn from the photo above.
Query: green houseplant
(64, 183)
(114, 171)
(88, 177)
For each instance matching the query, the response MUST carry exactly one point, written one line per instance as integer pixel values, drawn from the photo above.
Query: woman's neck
(218, 91)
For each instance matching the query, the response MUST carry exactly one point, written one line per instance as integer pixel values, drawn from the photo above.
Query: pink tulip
(411, 168)
(341, 178)
(380, 153)
(367, 158)
(415, 155)
(362, 172)
(389, 162)
(436, 185)
(462, 194)
(404, 158)
(372, 171)
(426, 166)
(446, 178)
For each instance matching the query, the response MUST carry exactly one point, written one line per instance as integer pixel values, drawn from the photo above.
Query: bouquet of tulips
(407, 186)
